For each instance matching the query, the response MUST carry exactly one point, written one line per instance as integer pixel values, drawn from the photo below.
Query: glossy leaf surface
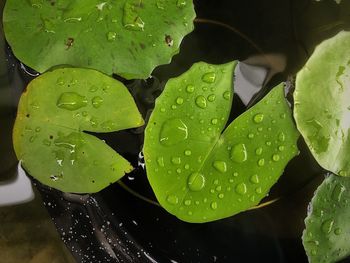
(127, 37)
(199, 173)
(326, 237)
(53, 113)
(322, 104)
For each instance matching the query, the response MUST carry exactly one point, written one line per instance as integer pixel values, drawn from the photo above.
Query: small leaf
(48, 133)
(199, 174)
(322, 105)
(326, 237)
(126, 37)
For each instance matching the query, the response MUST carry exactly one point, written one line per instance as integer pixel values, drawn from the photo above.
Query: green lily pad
(322, 105)
(55, 110)
(126, 37)
(199, 174)
(326, 237)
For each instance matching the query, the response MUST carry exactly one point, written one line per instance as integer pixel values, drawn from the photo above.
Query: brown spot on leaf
(169, 41)
(69, 42)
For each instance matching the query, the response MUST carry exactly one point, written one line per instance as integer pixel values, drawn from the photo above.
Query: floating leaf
(322, 104)
(53, 113)
(127, 37)
(326, 237)
(199, 174)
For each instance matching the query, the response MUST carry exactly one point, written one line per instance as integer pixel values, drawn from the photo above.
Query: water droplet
(258, 190)
(235, 174)
(32, 138)
(209, 77)
(60, 81)
(258, 151)
(93, 89)
(268, 143)
(214, 121)
(221, 195)
(261, 162)
(201, 102)
(218, 188)
(162, 109)
(275, 157)
(220, 166)
(179, 100)
(131, 19)
(227, 95)
(188, 152)
(178, 170)
(176, 160)
(111, 36)
(337, 231)
(97, 102)
(108, 125)
(196, 182)
(327, 226)
(258, 118)
(337, 192)
(343, 173)
(281, 137)
(283, 116)
(214, 205)
(187, 202)
(254, 179)
(239, 153)
(251, 135)
(37, 129)
(241, 188)
(173, 132)
(172, 199)
(71, 101)
(190, 88)
(211, 97)
(181, 3)
(160, 161)
(281, 148)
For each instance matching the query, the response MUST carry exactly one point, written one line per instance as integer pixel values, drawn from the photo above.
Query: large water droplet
(71, 101)
(220, 166)
(254, 179)
(131, 19)
(241, 189)
(173, 132)
(337, 192)
(196, 182)
(327, 226)
(258, 118)
(211, 97)
(209, 77)
(201, 102)
(172, 199)
(227, 95)
(97, 102)
(190, 88)
(160, 161)
(239, 153)
(176, 160)
(214, 205)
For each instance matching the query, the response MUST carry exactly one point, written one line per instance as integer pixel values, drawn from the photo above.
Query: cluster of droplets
(74, 101)
(238, 154)
(327, 225)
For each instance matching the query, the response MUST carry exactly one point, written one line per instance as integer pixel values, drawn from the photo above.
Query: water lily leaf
(109, 36)
(326, 237)
(199, 174)
(55, 110)
(322, 105)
